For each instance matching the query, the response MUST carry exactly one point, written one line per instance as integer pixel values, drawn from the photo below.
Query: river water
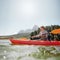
(28, 52)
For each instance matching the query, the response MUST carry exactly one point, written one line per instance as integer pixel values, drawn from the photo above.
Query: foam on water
(24, 52)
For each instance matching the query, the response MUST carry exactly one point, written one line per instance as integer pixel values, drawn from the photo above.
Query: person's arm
(36, 35)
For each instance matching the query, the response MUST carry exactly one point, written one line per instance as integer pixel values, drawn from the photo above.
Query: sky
(16, 15)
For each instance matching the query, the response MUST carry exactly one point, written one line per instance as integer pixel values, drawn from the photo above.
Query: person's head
(42, 28)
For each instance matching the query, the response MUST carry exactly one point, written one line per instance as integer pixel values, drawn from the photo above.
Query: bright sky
(16, 15)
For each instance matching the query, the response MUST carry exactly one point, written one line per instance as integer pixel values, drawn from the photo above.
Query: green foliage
(52, 27)
(34, 33)
(38, 30)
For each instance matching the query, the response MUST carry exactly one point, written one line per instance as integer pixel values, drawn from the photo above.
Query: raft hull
(35, 42)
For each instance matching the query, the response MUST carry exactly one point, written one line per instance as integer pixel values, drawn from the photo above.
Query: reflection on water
(25, 52)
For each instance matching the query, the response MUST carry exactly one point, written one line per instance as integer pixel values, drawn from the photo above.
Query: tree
(35, 32)
(32, 34)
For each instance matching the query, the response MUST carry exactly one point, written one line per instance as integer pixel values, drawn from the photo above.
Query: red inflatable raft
(34, 42)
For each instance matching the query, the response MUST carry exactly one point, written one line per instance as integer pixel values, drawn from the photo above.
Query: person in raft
(43, 35)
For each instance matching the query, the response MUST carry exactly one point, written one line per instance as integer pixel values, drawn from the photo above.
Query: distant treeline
(49, 29)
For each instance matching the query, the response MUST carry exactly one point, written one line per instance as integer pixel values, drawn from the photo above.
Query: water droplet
(4, 57)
